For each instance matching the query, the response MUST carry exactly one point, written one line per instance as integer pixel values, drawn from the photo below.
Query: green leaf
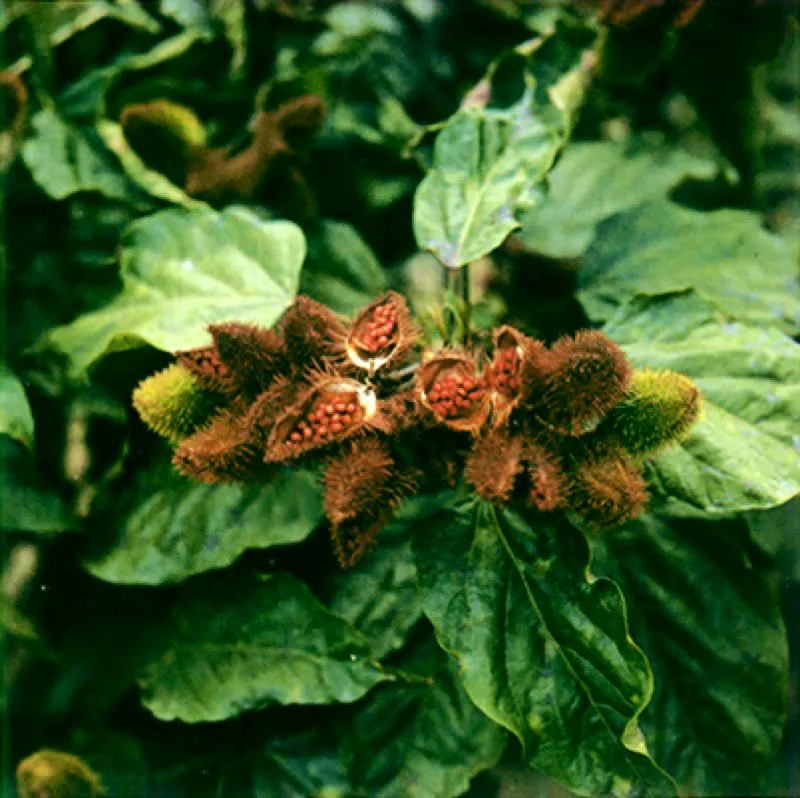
(421, 740)
(341, 270)
(231, 13)
(713, 631)
(182, 270)
(379, 595)
(594, 181)
(16, 419)
(241, 644)
(725, 255)
(744, 453)
(27, 503)
(64, 162)
(149, 180)
(543, 650)
(183, 528)
(489, 162)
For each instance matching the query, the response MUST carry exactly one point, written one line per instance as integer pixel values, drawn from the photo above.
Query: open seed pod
(381, 333)
(450, 391)
(515, 372)
(331, 409)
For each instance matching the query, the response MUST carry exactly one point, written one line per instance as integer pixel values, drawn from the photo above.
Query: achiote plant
(558, 428)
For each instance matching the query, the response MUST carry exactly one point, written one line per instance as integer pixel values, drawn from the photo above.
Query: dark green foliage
(522, 239)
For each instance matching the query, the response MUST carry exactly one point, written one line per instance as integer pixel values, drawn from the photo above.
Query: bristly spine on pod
(586, 377)
(494, 463)
(363, 487)
(172, 403)
(659, 408)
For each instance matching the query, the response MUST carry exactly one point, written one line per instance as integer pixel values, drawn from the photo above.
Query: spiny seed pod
(587, 377)
(253, 355)
(516, 371)
(607, 489)
(493, 465)
(222, 451)
(659, 408)
(332, 409)
(381, 333)
(204, 363)
(262, 414)
(172, 403)
(363, 486)
(313, 333)
(449, 388)
(548, 489)
(54, 774)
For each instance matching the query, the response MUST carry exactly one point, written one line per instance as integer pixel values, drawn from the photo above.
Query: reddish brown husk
(363, 486)
(607, 489)
(252, 354)
(494, 463)
(546, 481)
(516, 371)
(204, 363)
(450, 391)
(332, 409)
(313, 333)
(381, 333)
(587, 377)
(222, 451)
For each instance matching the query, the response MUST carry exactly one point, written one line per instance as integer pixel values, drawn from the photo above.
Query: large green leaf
(744, 453)
(183, 528)
(713, 631)
(421, 740)
(543, 650)
(592, 182)
(725, 255)
(341, 270)
(64, 161)
(16, 419)
(239, 644)
(489, 162)
(182, 270)
(379, 595)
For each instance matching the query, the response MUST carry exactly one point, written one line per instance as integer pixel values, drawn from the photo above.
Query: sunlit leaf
(16, 418)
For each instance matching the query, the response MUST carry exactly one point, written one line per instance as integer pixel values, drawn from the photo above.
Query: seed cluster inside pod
(454, 395)
(503, 373)
(378, 329)
(325, 420)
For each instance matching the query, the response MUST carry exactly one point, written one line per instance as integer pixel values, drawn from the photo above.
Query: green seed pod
(659, 408)
(57, 775)
(172, 403)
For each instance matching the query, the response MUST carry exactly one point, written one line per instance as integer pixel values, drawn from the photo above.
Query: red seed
(307, 433)
(296, 437)
(329, 411)
(351, 408)
(336, 426)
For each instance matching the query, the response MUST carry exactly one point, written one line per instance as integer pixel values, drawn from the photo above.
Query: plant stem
(456, 307)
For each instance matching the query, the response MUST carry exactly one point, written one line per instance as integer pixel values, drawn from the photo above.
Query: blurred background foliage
(691, 104)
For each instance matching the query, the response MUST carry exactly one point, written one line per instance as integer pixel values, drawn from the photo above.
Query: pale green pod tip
(172, 403)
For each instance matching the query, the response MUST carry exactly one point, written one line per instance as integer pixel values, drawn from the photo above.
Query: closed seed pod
(172, 403)
(494, 463)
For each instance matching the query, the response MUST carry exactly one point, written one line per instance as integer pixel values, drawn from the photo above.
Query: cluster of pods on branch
(565, 427)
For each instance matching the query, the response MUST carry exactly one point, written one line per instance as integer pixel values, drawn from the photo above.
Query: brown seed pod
(381, 333)
(547, 483)
(330, 410)
(363, 486)
(607, 489)
(587, 376)
(222, 451)
(268, 406)
(206, 365)
(516, 371)
(314, 334)
(494, 463)
(252, 354)
(450, 391)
